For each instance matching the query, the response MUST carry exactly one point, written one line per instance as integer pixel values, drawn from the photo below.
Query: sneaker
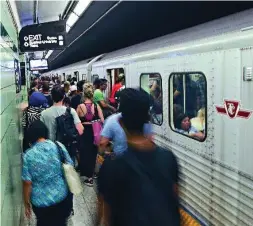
(88, 182)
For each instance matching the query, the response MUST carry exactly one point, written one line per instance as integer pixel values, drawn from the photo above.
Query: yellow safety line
(187, 219)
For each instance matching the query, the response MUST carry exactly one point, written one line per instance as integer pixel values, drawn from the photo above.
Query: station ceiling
(106, 26)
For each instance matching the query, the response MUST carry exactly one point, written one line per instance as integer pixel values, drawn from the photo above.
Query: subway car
(205, 73)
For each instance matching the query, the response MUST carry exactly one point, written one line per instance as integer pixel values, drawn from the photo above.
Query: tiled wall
(10, 148)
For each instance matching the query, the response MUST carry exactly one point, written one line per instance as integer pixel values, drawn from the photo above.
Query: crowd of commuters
(137, 182)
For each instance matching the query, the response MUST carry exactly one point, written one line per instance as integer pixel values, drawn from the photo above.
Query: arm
(106, 135)
(103, 143)
(176, 93)
(27, 188)
(100, 114)
(199, 135)
(105, 105)
(77, 122)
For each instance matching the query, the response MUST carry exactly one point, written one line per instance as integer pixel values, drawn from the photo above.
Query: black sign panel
(45, 36)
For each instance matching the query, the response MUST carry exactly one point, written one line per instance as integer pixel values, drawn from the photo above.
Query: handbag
(71, 176)
(97, 128)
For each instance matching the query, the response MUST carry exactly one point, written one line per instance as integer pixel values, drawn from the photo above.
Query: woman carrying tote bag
(45, 187)
(92, 118)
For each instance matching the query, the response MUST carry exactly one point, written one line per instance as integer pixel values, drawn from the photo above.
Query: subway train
(207, 71)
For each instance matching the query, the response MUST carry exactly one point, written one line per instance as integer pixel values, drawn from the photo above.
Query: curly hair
(88, 90)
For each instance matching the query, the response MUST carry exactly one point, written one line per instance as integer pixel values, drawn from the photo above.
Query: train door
(113, 77)
(76, 75)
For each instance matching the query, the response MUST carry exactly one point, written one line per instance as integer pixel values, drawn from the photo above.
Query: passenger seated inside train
(183, 125)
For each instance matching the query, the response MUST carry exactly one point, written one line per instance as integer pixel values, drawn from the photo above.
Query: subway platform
(85, 206)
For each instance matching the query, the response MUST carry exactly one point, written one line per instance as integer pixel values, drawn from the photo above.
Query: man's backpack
(66, 131)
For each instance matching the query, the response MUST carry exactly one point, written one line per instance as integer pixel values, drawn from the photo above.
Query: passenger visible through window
(152, 84)
(188, 104)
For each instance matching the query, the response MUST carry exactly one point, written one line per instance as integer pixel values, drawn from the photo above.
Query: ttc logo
(232, 109)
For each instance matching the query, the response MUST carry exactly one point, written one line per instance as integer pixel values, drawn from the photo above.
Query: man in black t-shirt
(139, 187)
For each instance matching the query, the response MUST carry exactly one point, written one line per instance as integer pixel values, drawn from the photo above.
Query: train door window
(76, 75)
(152, 84)
(188, 104)
(94, 77)
(84, 77)
(115, 76)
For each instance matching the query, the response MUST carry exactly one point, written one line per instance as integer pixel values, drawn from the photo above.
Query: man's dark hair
(45, 87)
(179, 119)
(97, 83)
(57, 93)
(37, 130)
(103, 81)
(66, 101)
(33, 84)
(134, 106)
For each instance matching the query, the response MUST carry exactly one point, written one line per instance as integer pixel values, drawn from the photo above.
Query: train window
(94, 77)
(152, 84)
(188, 104)
(84, 77)
(76, 74)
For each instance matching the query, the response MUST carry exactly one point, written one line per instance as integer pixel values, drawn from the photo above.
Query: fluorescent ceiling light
(81, 6)
(48, 54)
(67, 28)
(72, 19)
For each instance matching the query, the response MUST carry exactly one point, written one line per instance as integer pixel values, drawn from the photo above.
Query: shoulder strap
(68, 110)
(60, 152)
(96, 111)
(82, 109)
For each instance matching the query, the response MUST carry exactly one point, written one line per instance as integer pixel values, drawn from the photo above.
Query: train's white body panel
(217, 174)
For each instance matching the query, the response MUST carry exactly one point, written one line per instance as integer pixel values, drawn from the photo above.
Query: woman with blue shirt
(44, 185)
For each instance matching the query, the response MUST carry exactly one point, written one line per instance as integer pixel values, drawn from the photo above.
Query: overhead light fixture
(81, 6)
(72, 19)
(48, 54)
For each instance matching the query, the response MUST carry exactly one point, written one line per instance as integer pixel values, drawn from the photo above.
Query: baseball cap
(73, 88)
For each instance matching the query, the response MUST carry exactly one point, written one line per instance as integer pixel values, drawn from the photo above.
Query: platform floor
(84, 209)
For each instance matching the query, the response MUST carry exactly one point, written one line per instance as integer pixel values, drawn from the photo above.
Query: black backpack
(66, 131)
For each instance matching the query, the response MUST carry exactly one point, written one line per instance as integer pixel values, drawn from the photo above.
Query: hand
(28, 211)
(114, 109)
